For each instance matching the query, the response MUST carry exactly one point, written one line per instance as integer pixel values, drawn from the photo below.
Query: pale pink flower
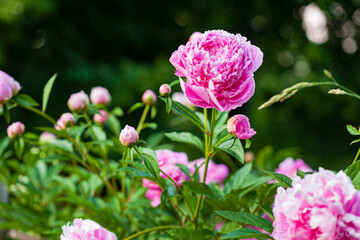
(323, 205)
(181, 98)
(100, 95)
(165, 90)
(47, 137)
(8, 87)
(149, 97)
(85, 230)
(239, 125)
(167, 161)
(290, 166)
(15, 129)
(65, 120)
(215, 173)
(78, 101)
(101, 117)
(128, 136)
(219, 69)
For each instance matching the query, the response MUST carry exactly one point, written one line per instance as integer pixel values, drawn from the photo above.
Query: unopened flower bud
(6, 90)
(65, 120)
(100, 95)
(15, 87)
(78, 101)
(16, 128)
(165, 90)
(47, 137)
(101, 117)
(239, 125)
(129, 136)
(149, 97)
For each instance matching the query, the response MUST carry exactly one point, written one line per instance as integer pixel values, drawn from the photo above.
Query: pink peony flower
(149, 97)
(165, 90)
(219, 69)
(215, 172)
(47, 137)
(65, 120)
(78, 101)
(181, 98)
(101, 118)
(129, 136)
(239, 125)
(323, 205)
(16, 128)
(100, 95)
(85, 230)
(8, 87)
(167, 161)
(289, 167)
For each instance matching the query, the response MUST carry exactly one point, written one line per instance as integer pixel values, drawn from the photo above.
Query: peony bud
(129, 136)
(100, 95)
(239, 125)
(47, 137)
(16, 128)
(149, 97)
(165, 90)
(78, 102)
(101, 118)
(85, 229)
(249, 157)
(65, 120)
(6, 91)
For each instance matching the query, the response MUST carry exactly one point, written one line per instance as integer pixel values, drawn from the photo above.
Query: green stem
(356, 157)
(142, 119)
(37, 111)
(123, 185)
(151, 230)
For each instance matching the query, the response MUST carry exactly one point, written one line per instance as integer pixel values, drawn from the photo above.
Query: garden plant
(116, 185)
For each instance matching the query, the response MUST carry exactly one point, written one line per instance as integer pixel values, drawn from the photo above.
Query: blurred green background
(125, 46)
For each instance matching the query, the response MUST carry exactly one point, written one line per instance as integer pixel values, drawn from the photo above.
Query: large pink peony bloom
(167, 161)
(219, 68)
(323, 205)
(215, 172)
(85, 230)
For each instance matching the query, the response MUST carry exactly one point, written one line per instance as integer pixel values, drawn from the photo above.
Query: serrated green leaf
(47, 91)
(247, 218)
(186, 137)
(283, 179)
(25, 100)
(234, 148)
(245, 233)
(352, 130)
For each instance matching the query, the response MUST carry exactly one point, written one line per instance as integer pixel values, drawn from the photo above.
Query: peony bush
(85, 177)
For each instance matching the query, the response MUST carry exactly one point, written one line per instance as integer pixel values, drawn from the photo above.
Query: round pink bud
(85, 229)
(65, 120)
(239, 125)
(47, 137)
(149, 97)
(78, 102)
(16, 128)
(101, 118)
(100, 95)
(165, 90)
(129, 136)
(6, 90)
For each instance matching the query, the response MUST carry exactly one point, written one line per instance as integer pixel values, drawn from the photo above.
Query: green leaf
(25, 100)
(153, 112)
(352, 130)
(202, 189)
(150, 161)
(247, 143)
(221, 119)
(188, 113)
(6, 113)
(355, 141)
(234, 148)
(238, 179)
(117, 111)
(186, 137)
(190, 234)
(283, 179)
(245, 233)
(135, 106)
(177, 81)
(62, 144)
(353, 171)
(19, 146)
(247, 218)
(114, 124)
(150, 125)
(47, 91)
(4, 143)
